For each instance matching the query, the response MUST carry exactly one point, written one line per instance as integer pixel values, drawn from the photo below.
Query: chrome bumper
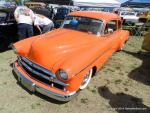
(36, 88)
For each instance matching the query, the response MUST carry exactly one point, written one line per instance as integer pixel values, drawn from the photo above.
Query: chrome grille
(40, 74)
(38, 68)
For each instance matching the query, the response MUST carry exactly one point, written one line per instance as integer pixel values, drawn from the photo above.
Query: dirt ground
(121, 86)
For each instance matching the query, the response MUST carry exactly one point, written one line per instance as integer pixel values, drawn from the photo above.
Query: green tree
(7, 0)
(18, 2)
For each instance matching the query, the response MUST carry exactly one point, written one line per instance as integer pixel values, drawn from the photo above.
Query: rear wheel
(121, 48)
(86, 79)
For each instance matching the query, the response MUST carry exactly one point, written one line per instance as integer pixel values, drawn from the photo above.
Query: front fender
(22, 47)
(78, 65)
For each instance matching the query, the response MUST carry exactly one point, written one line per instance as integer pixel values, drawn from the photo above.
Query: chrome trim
(36, 88)
(33, 71)
(50, 78)
(37, 67)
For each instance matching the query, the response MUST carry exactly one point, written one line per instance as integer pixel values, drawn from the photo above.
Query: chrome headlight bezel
(61, 74)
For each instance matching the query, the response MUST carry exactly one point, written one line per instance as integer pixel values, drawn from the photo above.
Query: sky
(123, 1)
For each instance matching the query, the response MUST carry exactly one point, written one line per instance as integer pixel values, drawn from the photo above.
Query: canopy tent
(2, 2)
(96, 3)
(84, 3)
(136, 3)
(60, 2)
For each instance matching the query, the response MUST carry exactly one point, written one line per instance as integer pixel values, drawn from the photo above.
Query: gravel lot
(121, 86)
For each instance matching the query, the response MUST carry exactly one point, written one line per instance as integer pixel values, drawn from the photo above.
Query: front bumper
(36, 88)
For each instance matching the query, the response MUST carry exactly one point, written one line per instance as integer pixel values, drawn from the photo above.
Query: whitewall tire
(86, 79)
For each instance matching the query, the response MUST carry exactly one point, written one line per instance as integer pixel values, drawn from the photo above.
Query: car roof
(104, 16)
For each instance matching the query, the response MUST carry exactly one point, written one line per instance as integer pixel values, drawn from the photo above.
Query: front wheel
(86, 79)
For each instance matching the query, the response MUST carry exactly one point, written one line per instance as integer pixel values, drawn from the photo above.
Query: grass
(92, 90)
(5, 83)
(84, 100)
(126, 89)
(118, 81)
(126, 83)
(1, 109)
(22, 97)
(33, 106)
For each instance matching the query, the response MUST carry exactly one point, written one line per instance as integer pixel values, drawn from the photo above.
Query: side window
(119, 24)
(110, 27)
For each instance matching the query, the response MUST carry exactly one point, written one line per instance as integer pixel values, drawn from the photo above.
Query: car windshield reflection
(83, 24)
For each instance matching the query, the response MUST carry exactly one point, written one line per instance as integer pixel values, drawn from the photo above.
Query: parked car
(129, 17)
(145, 16)
(62, 12)
(8, 26)
(61, 63)
(35, 4)
(43, 11)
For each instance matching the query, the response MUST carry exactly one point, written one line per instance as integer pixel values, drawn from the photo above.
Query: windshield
(128, 13)
(2, 16)
(63, 10)
(83, 24)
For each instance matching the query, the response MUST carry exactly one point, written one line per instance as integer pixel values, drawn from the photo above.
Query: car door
(110, 39)
(9, 27)
(111, 34)
(12, 27)
(3, 38)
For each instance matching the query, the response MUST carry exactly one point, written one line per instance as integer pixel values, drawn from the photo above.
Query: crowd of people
(26, 19)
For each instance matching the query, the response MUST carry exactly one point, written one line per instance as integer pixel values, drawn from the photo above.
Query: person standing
(24, 17)
(43, 23)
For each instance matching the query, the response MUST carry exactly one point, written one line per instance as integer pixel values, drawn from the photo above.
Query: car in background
(60, 63)
(146, 16)
(8, 26)
(62, 12)
(35, 4)
(43, 11)
(129, 17)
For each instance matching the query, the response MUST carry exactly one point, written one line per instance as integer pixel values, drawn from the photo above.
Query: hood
(58, 45)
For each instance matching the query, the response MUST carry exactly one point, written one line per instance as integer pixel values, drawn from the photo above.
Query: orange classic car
(60, 63)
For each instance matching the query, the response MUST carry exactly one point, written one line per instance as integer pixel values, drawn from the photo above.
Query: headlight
(62, 74)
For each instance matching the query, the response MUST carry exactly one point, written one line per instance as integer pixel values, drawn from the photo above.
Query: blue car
(60, 16)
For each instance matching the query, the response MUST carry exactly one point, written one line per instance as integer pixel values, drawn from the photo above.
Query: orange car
(60, 63)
